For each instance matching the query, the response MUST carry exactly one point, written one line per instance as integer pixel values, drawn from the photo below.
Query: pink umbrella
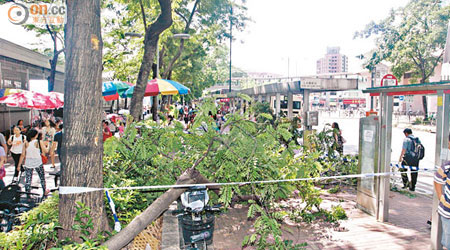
(56, 98)
(16, 100)
(29, 99)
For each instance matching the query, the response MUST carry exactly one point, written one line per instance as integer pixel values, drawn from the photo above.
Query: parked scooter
(196, 218)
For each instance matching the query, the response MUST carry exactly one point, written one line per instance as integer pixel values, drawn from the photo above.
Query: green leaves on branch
(412, 38)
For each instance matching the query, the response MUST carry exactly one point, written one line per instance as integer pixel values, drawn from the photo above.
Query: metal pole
(157, 59)
(231, 41)
(436, 228)
(306, 93)
(387, 104)
(371, 85)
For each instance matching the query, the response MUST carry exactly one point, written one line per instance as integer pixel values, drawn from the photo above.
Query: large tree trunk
(424, 99)
(425, 108)
(150, 43)
(154, 108)
(82, 147)
(152, 212)
(53, 64)
(54, 60)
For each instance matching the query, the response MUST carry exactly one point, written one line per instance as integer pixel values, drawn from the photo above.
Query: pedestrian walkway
(406, 229)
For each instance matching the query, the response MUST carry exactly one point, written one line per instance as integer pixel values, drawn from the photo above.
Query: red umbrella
(29, 99)
(16, 100)
(56, 98)
(150, 90)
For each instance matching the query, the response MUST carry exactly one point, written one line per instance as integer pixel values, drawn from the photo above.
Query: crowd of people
(114, 125)
(30, 147)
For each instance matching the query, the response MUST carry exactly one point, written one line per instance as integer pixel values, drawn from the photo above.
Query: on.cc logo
(18, 14)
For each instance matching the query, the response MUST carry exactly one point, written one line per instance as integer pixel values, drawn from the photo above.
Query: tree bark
(152, 212)
(424, 101)
(53, 64)
(425, 108)
(154, 108)
(54, 61)
(150, 43)
(82, 147)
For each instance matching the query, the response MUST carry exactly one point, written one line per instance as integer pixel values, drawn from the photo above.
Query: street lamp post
(231, 40)
(373, 71)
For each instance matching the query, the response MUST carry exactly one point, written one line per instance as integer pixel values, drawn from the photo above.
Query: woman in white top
(48, 131)
(31, 153)
(16, 142)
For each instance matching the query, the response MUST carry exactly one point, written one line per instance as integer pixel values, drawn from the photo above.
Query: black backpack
(416, 153)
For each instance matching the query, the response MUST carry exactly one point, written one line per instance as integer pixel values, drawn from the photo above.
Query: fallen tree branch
(152, 212)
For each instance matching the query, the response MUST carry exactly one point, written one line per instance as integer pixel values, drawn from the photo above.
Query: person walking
(106, 131)
(338, 139)
(16, 141)
(22, 128)
(407, 159)
(32, 151)
(2, 167)
(48, 132)
(3, 143)
(442, 188)
(56, 145)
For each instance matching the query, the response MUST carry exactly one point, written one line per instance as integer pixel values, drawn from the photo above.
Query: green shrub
(418, 121)
(39, 228)
(334, 190)
(338, 213)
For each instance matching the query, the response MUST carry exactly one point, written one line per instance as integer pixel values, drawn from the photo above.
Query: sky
(281, 31)
(301, 31)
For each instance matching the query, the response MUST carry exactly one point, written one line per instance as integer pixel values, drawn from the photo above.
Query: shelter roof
(411, 89)
(314, 84)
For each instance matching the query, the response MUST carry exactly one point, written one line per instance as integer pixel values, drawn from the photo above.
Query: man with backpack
(412, 152)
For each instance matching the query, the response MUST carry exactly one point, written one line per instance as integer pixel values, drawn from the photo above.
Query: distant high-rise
(333, 62)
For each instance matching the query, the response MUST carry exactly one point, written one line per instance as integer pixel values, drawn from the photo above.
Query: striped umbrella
(113, 89)
(109, 91)
(7, 91)
(160, 86)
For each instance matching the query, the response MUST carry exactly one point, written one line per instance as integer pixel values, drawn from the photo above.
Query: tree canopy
(203, 58)
(412, 38)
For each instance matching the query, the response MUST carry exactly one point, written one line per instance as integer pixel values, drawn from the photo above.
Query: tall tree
(193, 61)
(151, 39)
(82, 147)
(412, 38)
(56, 33)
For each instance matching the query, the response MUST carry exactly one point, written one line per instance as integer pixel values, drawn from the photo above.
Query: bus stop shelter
(383, 137)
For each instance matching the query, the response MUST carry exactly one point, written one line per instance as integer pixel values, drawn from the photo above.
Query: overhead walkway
(305, 86)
